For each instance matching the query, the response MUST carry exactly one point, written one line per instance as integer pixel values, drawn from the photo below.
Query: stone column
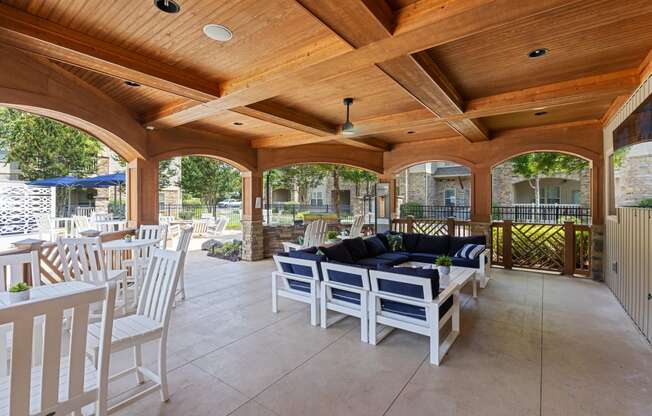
(252, 216)
(597, 252)
(142, 192)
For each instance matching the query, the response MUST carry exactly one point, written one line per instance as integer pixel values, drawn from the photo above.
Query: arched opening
(205, 192)
(541, 213)
(435, 190)
(35, 147)
(302, 192)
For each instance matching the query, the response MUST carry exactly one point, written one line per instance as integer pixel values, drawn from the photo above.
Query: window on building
(316, 198)
(550, 195)
(449, 197)
(575, 198)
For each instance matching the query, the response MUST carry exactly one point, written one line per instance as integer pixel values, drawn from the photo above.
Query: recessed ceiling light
(237, 123)
(218, 32)
(167, 6)
(149, 127)
(537, 53)
(410, 132)
(540, 113)
(132, 84)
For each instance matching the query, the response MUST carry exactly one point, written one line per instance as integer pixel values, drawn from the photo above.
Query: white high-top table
(458, 275)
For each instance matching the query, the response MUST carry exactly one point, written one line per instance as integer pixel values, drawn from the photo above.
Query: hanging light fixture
(347, 128)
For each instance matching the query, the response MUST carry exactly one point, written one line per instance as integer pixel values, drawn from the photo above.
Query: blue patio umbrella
(53, 182)
(101, 181)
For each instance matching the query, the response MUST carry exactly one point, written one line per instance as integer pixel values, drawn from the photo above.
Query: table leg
(475, 286)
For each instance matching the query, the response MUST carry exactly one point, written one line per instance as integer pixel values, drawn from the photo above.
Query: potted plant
(444, 264)
(19, 292)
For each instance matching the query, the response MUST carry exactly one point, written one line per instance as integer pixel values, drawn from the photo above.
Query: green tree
(359, 177)
(167, 170)
(208, 179)
(297, 178)
(43, 148)
(534, 166)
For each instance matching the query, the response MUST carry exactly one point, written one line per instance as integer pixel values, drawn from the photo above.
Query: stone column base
(597, 252)
(482, 228)
(252, 240)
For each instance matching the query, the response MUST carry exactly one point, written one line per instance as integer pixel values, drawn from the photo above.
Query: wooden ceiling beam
(283, 116)
(587, 89)
(42, 37)
(454, 20)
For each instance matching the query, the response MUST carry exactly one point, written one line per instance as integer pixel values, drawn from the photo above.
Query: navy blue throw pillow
(356, 248)
(432, 244)
(375, 246)
(458, 242)
(410, 242)
(338, 252)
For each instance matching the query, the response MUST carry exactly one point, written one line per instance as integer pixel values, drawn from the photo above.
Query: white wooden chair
(84, 259)
(200, 227)
(182, 247)
(345, 289)
(60, 386)
(314, 236)
(356, 227)
(81, 224)
(424, 313)
(300, 282)
(101, 216)
(12, 268)
(48, 227)
(154, 232)
(149, 323)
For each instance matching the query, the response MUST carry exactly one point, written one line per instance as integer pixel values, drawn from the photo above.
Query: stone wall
(275, 235)
(252, 240)
(462, 186)
(633, 179)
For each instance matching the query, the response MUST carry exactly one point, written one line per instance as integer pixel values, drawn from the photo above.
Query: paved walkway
(531, 344)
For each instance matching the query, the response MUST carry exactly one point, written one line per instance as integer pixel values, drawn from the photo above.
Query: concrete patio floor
(531, 344)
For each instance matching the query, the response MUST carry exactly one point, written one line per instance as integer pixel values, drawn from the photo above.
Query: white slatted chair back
(12, 268)
(83, 259)
(101, 216)
(182, 246)
(220, 224)
(315, 234)
(81, 223)
(200, 227)
(154, 232)
(356, 227)
(60, 385)
(45, 226)
(165, 219)
(159, 286)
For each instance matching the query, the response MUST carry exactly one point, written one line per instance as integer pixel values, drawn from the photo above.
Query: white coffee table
(459, 275)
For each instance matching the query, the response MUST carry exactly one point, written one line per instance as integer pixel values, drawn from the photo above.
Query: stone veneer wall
(597, 252)
(275, 235)
(252, 240)
(633, 180)
(462, 190)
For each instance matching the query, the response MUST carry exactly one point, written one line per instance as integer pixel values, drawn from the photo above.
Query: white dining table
(36, 293)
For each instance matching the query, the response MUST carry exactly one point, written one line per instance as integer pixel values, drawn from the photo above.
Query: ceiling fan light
(348, 129)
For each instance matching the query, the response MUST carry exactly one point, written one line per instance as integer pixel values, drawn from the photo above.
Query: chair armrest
(288, 246)
(446, 293)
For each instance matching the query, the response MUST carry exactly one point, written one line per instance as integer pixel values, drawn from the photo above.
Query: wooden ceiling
(417, 69)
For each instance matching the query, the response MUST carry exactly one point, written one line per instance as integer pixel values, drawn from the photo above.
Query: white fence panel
(20, 205)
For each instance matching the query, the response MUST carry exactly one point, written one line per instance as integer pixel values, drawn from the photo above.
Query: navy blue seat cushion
(407, 289)
(307, 254)
(356, 247)
(423, 257)
(374, 262)
(462, 262)
(413, 311)
(396, 257)
(299, 285)
(410, 241)
(456, 243)
(433, 244)
(338, 252)
(346, 296)
(375, 246)
(383, 238)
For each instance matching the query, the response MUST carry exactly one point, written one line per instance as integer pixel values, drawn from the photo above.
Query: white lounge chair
(300, 282)
(408, 303)
(314, 236)
(182, 247)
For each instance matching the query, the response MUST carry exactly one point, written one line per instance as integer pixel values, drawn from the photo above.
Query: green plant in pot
(444, 264)
(19, 292)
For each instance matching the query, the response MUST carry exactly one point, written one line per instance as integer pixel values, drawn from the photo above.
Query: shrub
(331, 235)
(412, 208)
(230, 249)
(646, 203)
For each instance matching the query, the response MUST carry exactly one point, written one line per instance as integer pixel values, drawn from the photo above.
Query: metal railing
(290, 213)
(438, 212)
(542, 213)
(197, 211)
